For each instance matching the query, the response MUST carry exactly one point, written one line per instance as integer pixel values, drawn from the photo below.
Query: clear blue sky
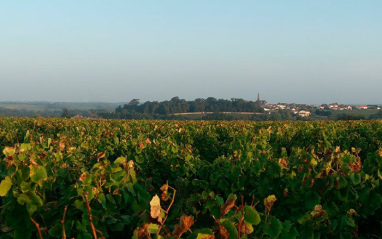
(290, 51)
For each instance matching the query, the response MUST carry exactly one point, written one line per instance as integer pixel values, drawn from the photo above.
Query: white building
(304, 113)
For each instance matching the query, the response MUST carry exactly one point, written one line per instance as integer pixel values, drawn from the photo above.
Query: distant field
(43, 106)
(22, 107)
(365, 113)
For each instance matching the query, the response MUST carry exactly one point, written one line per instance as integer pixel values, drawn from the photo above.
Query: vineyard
(190, 179)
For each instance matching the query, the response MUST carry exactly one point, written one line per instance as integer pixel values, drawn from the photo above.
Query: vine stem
(63, 223)
(94, 229)
(242, 216)
(37, 226)
(168, 209)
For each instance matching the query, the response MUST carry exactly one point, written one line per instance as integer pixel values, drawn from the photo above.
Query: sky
(291, 51)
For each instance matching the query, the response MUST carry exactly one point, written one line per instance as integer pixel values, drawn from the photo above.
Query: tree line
(166, 109)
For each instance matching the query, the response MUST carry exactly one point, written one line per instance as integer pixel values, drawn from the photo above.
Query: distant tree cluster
(157, 109)
(350, 117)
(323, 112)
(377, 115)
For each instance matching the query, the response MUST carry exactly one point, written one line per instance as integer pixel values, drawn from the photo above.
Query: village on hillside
(305, 110)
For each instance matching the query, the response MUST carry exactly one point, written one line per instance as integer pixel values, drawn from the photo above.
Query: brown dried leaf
(100, 155)
(164, 187)
(285, 192)
(143, 232)
(164, 196)
(283, 162)
(227, 207)
(354, 166)
(155, 209)
(224, 234)
(209, 237)
(83, 176)
(318, 212)
(33, 161)
(351, 212)
(268, 202)
(184, 225)
(62, 145)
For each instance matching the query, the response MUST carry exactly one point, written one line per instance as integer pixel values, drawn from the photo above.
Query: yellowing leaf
(155, 210)
(9, 151)
(5, 185)
(318, 212)
(120, 160)
(268, 202)
(37, 173)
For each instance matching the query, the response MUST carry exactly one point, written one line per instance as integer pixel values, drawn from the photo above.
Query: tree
(65, 113)
(134, 102)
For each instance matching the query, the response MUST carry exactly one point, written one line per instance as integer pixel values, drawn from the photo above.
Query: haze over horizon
(289, 51)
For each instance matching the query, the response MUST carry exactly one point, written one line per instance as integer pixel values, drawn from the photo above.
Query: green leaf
(38, 173)
(312, 199)
(289, 231)
(102, 199)
(87, 236)
(201, 233)
(355, 178)
(342, 183)
(251, 215)
(306, 234)
(232, 195)
(273, 228)
(5, 185)
(23, 198)
(153, 228)
(56, 231)
(110, 198)
(36, 200)
(25, 147)
(117, 227)
(233, 234)
(219, 200)
(120, 160)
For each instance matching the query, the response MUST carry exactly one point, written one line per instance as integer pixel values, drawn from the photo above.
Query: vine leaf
(268, 203)
(9, 151)
(37, 173)
(318, 212)
(312, 199)
(223, 232)
(155, 209)
(120, 160)
(231, 229)
(5, 185)
(228, 205)
(273, 228)
(251, 215)
(184, 225)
